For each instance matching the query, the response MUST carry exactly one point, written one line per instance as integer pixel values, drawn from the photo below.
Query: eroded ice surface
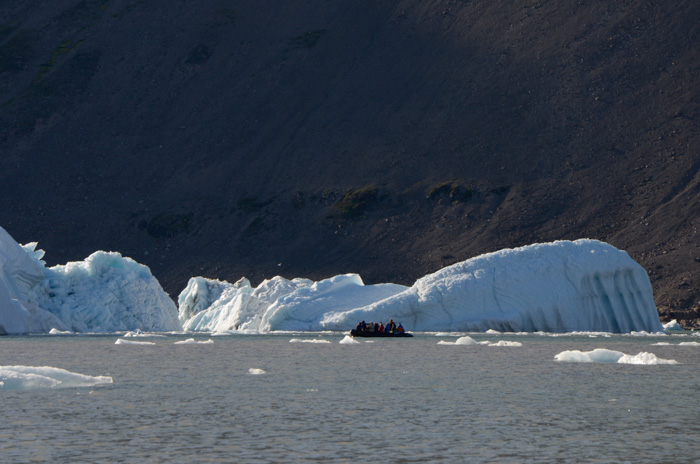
(19, 274)
(30, 377)
(276, 304)
(562, 286)
(105, 293)
(218, 306)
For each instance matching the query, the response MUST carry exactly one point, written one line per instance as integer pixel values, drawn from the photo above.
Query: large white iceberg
(564, 286)
(104, 293)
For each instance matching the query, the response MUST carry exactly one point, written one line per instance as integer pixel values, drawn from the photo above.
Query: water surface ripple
(391, 400)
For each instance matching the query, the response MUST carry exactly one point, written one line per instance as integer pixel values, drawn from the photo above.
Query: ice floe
(30, 377)
(602, 355)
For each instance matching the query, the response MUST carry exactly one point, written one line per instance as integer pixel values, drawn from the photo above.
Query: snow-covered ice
(30, 377)
(602, 355)
(553, 287)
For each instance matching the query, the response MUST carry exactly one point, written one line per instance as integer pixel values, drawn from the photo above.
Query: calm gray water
(396, 400)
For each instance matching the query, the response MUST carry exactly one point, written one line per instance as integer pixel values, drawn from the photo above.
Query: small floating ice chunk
(121, 341)
(60, 332)
(256, 371)
(601, 355)
(348, 340)
(672, 326)
(30, 377)
(505, 343)
(466, 340)
(648, 359)
(192, 341)
(492, 332)
(301, 340)
(676, 344)
(138, 333)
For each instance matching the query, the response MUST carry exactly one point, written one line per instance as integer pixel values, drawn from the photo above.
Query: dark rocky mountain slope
(230, 138)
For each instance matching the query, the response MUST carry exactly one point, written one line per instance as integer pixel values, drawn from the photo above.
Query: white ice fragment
(121, 341)
(29, 377)
(676, 344)
(303, 340)
(60, 332)
(192, 341)
(597, 355)
(645, 358)
(466, 340)
(602, 355)
(506, 343)
(256, 371)
(672, 326)
(348, 340)
(138, 333)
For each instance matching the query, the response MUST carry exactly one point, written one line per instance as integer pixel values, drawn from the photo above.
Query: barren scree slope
(308, 139)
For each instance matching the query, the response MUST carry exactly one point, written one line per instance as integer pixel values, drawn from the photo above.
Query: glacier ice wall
(562, 286)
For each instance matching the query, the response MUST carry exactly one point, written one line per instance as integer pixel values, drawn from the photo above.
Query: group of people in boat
(390, 327)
